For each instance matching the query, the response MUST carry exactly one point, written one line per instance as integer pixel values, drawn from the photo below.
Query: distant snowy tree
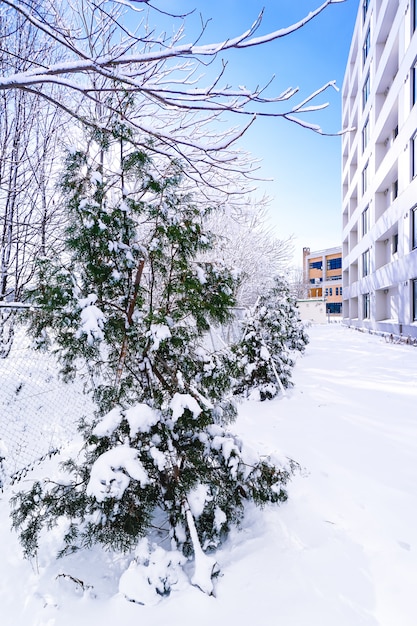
(263, 360)
(131, 303)
(299, 287)
(246, 240)
(29, 132)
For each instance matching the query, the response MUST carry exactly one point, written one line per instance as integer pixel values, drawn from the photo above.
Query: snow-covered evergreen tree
(262, 359)
(131, 304)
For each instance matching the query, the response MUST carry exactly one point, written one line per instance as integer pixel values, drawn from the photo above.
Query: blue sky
(305, 192)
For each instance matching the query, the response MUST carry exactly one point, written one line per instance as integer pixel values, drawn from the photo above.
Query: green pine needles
(129, 303)
(263, 359)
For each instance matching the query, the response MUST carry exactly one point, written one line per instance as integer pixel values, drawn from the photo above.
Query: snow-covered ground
(341, 552)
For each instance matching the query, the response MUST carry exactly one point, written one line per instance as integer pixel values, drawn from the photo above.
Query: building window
(395, 243)
(326, 292)
(413, 15)
(365, 179)
(365, 5)
(334, 307)
(365, 135)
(366, 302)
(365, 221)
(415, 300)
(395, 189)
(330, 291)
(414, 228)
(334, 264)
(337, 291)
(316, 265)
(414, 83)
(365, 263)
(366, 90)
(413, 150)
(366, 46)
(341, 290)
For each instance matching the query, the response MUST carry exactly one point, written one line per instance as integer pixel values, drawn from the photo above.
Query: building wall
(324, 280)
(313, 310)
(379, 167)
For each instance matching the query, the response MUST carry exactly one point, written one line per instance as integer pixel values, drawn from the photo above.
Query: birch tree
(28, 146)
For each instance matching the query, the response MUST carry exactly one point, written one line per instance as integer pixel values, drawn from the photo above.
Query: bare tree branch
(130, 65)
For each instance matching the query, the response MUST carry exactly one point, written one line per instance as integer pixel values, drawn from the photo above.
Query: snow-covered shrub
(263, 360)
(152, 574)
(132, 302)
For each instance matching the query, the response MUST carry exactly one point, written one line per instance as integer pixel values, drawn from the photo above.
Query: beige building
(322, 271)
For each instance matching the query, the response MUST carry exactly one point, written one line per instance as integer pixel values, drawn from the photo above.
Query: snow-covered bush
(152, 574)
(132, 303)
(262, 360)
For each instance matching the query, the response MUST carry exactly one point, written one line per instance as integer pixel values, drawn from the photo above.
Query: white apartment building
(379, 169)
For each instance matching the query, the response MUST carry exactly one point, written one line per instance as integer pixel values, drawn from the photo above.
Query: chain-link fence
(229, 333)
(38, 412)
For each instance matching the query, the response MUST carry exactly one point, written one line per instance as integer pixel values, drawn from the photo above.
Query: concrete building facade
(379, 169)
(322, 272)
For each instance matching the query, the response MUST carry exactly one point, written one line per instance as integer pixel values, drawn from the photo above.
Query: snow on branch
(169, 95)
(131, 65)
(111, 473)
(246, 41)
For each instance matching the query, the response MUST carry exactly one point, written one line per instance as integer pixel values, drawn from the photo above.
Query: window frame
(414, 299)
(365, 7)
(334, 308)
(334, 264)
(366, 46)
(365, 178)
(414, 83)
(316, 265)
(365, 134)
(366, 89)
(366, 263)
(414, 227)
(394, 190)
(413, 156)
(366, 306)
(394, 243)
(365, 220)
